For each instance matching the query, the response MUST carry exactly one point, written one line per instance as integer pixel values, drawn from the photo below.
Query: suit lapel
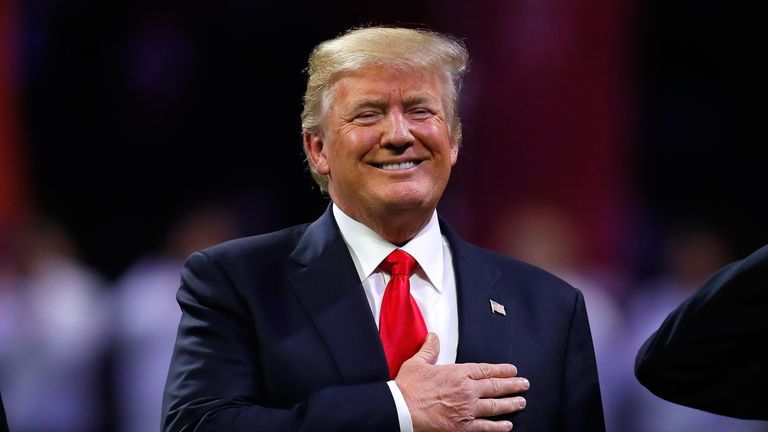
(484, 336)
(328, 286)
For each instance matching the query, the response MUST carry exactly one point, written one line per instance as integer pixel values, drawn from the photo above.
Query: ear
(315, 147)
(454, 151)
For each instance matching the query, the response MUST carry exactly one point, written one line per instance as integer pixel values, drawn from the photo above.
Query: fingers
(494, 407)
(500, 386)
(479, 371)
(482, 425)
(429, 350)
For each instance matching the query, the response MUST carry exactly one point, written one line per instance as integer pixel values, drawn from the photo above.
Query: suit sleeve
(3, 421)
(582, 404)
(711, 352)
(214, 378)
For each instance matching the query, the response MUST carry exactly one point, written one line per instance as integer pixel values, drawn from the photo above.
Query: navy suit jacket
(711, 353)
(277, 335)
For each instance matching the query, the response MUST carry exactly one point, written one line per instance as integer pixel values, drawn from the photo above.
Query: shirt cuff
(403, 415)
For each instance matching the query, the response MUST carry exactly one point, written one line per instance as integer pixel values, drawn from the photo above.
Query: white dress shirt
(433, 285)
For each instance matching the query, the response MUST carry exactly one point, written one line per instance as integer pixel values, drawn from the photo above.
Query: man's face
(385, 145)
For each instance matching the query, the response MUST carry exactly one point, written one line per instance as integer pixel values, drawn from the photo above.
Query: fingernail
(525, 383)
(521, 402)
(509, 426)
(513, 370)
(430, 337)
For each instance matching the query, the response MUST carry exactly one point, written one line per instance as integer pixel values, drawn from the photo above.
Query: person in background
(545, 235)
(54, 329)
(147, 316)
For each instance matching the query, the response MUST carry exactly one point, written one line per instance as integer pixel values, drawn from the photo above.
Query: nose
(397, 131)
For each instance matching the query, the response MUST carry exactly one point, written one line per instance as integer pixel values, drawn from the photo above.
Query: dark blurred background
(615, 143)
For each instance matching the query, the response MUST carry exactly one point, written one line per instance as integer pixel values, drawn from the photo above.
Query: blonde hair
(372, 46)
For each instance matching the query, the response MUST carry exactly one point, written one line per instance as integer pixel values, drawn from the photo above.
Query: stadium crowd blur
(609, 142)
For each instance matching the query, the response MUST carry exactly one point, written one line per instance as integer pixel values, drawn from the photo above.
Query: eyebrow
(368, 102)
(418, 98)
(381, 102)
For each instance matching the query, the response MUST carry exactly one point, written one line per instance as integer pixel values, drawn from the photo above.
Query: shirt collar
(369, 249)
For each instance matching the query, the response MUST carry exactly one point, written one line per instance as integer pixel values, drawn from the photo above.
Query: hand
(457, 397)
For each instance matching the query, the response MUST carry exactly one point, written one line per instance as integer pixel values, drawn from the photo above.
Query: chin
(404, 199)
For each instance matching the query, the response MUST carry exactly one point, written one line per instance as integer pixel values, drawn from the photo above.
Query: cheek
(349, 148)
(360, 139)
(434, 128)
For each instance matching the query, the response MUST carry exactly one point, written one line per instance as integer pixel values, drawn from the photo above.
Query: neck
(397, 226)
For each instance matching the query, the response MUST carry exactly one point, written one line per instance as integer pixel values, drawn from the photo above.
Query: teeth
(398, 166)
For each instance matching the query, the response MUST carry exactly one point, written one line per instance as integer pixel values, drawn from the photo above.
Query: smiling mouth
(396, 166)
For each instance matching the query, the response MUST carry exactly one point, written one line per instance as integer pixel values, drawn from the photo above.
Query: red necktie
(401, 325)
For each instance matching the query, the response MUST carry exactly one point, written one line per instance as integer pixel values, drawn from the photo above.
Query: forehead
(386, 82)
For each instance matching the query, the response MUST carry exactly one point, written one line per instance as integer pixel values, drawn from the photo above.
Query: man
(325, 326)
(711, 352)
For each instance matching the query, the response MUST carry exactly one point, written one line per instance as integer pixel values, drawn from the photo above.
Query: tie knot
(399, 262)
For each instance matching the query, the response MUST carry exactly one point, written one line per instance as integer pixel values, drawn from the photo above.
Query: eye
(367, 117)
(421, 113)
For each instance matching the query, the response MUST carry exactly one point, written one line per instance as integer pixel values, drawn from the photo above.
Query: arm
(711, 352)
(214, 378)
(582, 404)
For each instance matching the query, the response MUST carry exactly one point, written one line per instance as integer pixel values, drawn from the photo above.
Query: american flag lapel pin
(498, 308)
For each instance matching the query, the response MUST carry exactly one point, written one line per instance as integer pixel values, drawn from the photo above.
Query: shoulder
(229, 271)
(274, 242)
(249, 253)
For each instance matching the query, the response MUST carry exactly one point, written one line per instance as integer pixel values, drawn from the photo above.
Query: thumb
(429, 349)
